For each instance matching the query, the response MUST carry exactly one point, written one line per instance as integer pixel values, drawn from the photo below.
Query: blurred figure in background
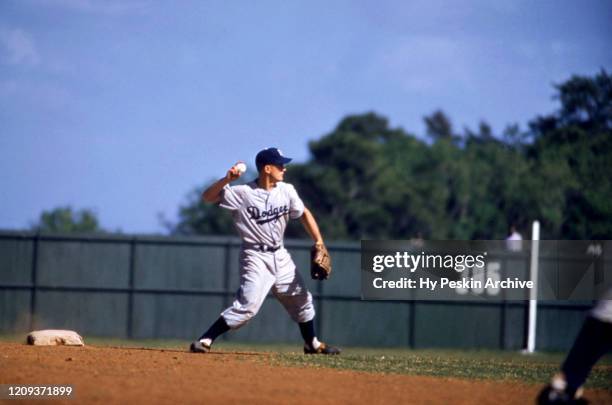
(514, 241)
(593, 342)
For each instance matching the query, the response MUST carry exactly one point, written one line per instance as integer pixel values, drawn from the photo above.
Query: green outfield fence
(173, 287)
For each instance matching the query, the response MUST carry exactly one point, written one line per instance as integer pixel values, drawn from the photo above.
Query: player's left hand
(320, 262)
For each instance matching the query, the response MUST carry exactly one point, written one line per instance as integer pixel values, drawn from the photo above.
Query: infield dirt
(138, 376)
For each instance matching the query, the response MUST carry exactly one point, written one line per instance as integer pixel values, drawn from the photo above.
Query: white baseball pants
(261, 272)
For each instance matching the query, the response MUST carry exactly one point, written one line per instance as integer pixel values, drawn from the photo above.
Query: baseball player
(594, 341)
(261, 210)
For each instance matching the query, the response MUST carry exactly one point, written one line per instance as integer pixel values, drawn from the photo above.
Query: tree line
(368, 180)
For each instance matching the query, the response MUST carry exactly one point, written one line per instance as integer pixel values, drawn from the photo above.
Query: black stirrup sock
(307, 331)
(217, 328)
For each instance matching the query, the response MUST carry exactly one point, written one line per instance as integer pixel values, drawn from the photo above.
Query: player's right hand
(233, 173)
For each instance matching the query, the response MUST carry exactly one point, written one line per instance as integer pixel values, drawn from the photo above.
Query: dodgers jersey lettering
(261, 216)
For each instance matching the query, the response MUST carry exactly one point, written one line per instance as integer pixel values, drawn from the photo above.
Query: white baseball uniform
(261, 216)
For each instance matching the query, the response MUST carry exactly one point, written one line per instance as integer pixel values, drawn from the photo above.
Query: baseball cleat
(199, 347)
(323, 349)
(554, 396)
(557, 392)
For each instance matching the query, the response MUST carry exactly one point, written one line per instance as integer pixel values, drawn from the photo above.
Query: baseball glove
(320, 262)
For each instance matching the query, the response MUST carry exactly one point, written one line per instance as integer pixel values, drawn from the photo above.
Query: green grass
(470, 364)
(489, 365)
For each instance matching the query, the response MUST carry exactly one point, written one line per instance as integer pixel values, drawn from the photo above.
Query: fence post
(319, 309)
(34, 276)
(412, 324)
(503, 307)
(533, 297)
(130, 316)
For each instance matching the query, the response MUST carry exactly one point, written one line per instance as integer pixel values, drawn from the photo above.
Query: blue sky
(125, 106)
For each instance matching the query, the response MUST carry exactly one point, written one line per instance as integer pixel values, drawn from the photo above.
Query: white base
(55, 337)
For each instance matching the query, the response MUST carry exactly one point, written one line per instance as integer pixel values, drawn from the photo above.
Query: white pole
(533, 295)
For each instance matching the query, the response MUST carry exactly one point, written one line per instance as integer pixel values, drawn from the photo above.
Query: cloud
(18, 48)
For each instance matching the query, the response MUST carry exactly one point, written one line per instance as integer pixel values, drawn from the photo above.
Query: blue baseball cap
(270, 156)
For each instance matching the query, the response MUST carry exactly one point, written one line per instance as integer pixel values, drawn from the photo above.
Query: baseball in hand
(241, 167)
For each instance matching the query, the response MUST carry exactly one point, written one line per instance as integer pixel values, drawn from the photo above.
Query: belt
(262, 247)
